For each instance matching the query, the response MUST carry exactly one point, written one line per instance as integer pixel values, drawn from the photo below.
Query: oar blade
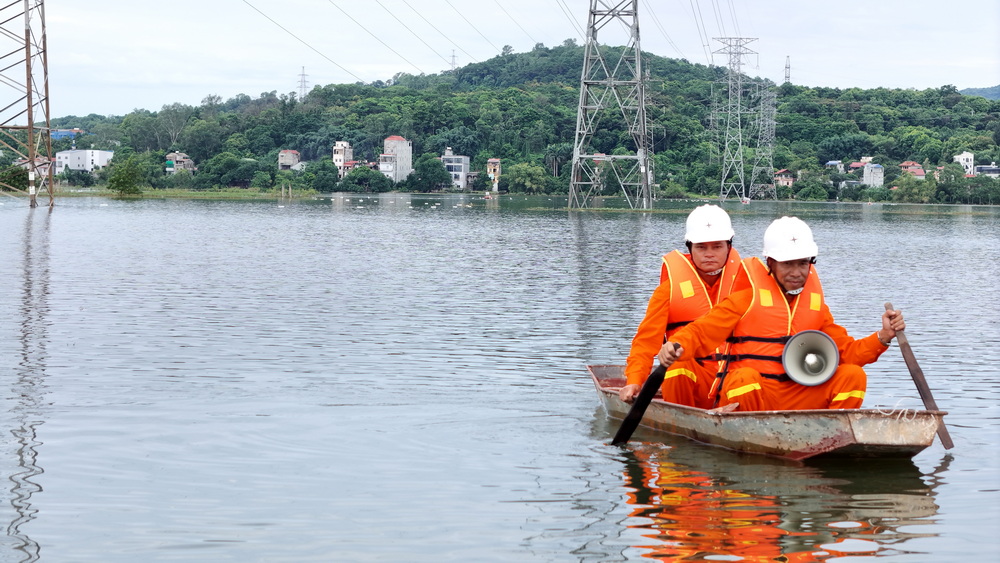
(634, 416)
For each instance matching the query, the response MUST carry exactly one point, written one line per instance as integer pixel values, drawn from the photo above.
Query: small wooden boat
(798, 435)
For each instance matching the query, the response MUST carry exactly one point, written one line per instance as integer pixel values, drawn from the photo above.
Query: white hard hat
(708, 223)
(789, 238)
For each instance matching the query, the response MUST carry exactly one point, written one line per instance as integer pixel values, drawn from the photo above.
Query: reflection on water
(27, 387)
(691, 503)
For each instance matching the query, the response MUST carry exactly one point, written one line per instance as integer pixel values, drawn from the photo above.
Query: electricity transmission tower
(730, 118)
(24, 112)
(612, 87)
(762, 177)
(303, 85)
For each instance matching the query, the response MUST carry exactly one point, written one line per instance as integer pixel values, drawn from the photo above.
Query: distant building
(287, 159)
(64, 133)
(81, 159)
(873, 175)
(836, 165)
(993, 171)
(342, 154)
(855, 166)
(967, 160)
(493, 172)
(458, 167)
(396, 162)
(914, 169)
(179, 161)
(784, 177)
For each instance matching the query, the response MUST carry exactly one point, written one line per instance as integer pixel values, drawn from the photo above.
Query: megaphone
(810, 358)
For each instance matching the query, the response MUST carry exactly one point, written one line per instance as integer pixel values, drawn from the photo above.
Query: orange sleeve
(648, 337)
(701, 337)
(860, 352)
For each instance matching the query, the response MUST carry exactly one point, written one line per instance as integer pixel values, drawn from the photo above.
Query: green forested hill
(992, 93)
(521, 107)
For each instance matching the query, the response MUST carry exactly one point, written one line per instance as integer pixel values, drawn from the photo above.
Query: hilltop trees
(521, 108)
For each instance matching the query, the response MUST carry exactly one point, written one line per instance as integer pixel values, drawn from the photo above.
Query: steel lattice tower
(612, 86)
(762, 177)
(25, 124)
(731, 115)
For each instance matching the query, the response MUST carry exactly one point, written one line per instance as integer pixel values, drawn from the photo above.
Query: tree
(526, 178)
(364, 179)
(125, 177)
(429, 174)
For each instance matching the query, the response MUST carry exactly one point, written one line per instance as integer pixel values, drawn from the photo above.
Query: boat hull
(798, 435)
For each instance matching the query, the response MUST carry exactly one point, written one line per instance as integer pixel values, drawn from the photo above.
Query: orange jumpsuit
(763, 310)
(681, 297)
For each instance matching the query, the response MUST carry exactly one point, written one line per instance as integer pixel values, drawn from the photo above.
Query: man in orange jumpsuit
(784, 299)
(690, 285)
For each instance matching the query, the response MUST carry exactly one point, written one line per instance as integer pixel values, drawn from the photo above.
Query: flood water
(402, 378)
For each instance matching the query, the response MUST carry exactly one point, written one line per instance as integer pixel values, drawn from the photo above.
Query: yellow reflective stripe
(765, 298)
(687, 290)
(815, 299)
(743, 390)
(848, 394)
(685, 372)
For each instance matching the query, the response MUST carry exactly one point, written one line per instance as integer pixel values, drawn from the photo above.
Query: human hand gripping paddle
(649, 388)
(918, 378)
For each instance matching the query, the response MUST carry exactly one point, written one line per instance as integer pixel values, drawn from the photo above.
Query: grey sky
(113, 56)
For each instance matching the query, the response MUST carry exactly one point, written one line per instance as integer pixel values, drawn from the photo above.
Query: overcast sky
(112, 56)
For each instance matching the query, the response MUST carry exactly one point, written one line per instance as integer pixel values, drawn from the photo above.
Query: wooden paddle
(634, 416)
(918, 377)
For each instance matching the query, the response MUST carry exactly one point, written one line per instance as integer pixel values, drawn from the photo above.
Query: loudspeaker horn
(810, 358)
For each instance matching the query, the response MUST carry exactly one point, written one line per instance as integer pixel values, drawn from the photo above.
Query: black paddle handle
(634, 416)
(921, 382)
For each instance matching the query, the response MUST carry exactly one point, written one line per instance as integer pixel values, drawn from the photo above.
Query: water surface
(401, 378)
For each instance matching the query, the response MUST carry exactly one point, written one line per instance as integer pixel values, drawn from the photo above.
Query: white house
(873, 175)
(396, 162)
(82, 159)
(457, 166)
(967, 161)
(342, 154)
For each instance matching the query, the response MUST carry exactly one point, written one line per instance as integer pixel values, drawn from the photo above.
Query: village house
(396, 162)
(179, 161)
(458, 167)
(343, 153)
(914, 169)
(968, 162)
(289, 160)
(81, 159)
(493, 173)
(784, 177)
(873, 175)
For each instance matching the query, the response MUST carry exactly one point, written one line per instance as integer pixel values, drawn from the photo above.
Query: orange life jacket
(760, 336)
(690, 298)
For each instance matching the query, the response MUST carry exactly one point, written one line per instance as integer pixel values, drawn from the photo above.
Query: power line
(656, 20)
(386, 45)
(411, 31)
(440, 32)
(568, 13)
(461, 15)
(300, 40)
(699, 23)
(499, 5)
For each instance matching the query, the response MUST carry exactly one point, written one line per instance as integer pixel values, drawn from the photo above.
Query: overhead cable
(518, 24)
(445, 35)
(411, 31)
(461, 15)
(300, 40)
(656, 20)
(375, 36)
